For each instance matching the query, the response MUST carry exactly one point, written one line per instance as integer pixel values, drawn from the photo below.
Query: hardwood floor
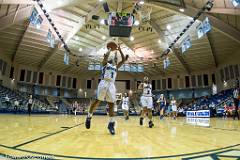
(65, 137)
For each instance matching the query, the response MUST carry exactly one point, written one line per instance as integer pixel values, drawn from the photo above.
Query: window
(89, 84)
(22, 75)
(34, 77)
(222, 75)
(193, 80)
(231, 72)
(164, 85)
(199, 80)
(1, 62)
(236, 70)
(40, 78)
(227, 73)
(58, 82)
(213, 78)
(29, 73)
(158, 84)
(11, 75)
(169, 83)
(69, 82)
(187, 81)
(153, 85)
(205, 79)
(64, 81)
(74, 84)
(128, 86)
(4, 67)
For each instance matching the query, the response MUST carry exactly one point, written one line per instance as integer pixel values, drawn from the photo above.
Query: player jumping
(106, 88)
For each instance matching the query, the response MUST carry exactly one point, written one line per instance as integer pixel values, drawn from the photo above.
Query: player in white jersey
(146, 101)
(125, 106)
(106, 88)
(174, 107)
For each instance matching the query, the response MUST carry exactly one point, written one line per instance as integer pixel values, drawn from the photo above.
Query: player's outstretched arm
(124, 58)
(140, 86)
(105, 58)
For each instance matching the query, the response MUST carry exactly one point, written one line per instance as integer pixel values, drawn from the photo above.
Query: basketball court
(77, 77)
(65, 137)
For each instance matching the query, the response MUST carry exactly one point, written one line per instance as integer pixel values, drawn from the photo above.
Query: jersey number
(112, 74)
(148, 91)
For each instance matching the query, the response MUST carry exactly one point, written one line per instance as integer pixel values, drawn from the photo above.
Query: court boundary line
(215, 155)
(46, 136)
(157, 157)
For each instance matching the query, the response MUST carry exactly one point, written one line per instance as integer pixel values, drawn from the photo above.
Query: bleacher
(39, 105)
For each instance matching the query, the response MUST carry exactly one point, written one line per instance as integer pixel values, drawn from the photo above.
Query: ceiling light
(59, 2)
(169, 27)
(181, 9)
(141, 2)
(132, 38)
(102, 21)
(159, 41)
(136, 23)
(80, 49)
(100, 0)
(38, 26)
(104, 37)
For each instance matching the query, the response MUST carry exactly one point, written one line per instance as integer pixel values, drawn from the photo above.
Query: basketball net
(145, 14)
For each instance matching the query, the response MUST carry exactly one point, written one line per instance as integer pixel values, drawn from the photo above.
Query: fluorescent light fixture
(104, 37)
(141, 2)
(169, 27)
(132, 38)
(136, 23)
(181, 10)
(102, 22)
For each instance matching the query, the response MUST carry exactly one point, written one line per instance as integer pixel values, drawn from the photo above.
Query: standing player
(174, 108)
(146, 101)
(106, 88)
(162, 103)
(30, 103)
(125, 106)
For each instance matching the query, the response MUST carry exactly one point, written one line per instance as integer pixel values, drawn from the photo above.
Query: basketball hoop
(145, 14)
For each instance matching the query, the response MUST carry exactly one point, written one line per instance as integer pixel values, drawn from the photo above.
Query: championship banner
(200, 114)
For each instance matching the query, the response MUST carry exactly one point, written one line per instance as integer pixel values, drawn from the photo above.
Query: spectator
(16, 105)
(236, 102)
(7, 100)
(214, 89)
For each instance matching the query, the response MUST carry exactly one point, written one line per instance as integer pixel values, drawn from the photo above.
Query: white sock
(111, 119)
(90, 115)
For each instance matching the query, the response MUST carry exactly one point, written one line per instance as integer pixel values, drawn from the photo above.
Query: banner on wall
(199, 113)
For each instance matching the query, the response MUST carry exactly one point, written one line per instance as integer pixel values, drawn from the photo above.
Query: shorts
(162, 107)
(174, 108)
(147, 102)
(106, 91)
(125, 107)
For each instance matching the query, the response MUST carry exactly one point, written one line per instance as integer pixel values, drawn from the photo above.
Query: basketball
(112, 45)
